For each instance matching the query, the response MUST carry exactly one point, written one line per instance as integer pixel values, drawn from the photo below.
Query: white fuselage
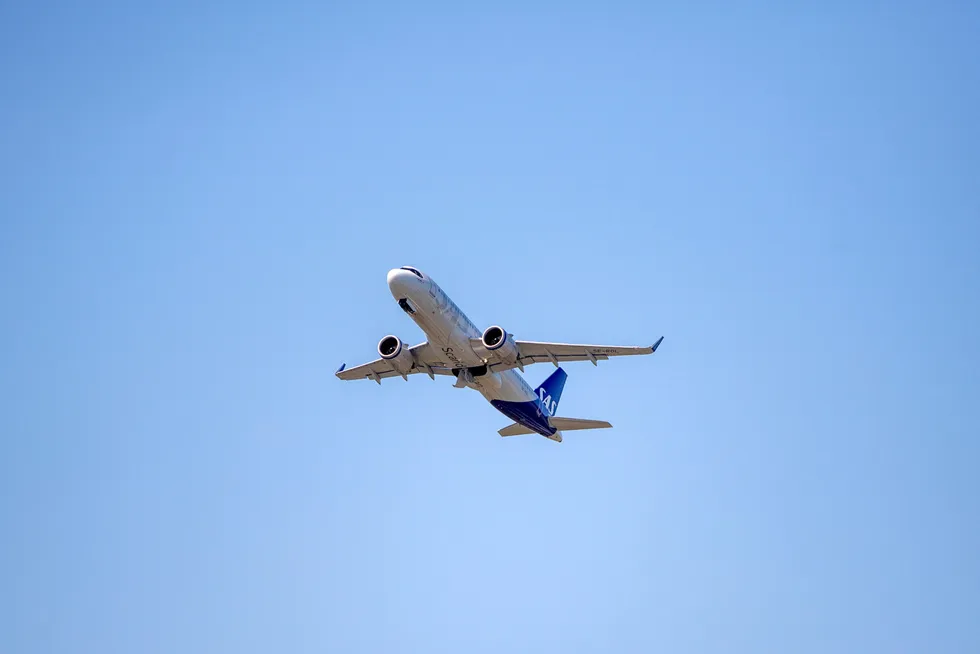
(449, 331)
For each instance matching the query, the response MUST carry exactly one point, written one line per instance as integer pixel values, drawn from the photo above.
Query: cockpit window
(413, 271)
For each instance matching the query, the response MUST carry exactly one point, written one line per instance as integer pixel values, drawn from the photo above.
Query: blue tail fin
(549, 392)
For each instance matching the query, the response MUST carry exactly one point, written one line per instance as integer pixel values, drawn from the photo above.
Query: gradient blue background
(199, 204)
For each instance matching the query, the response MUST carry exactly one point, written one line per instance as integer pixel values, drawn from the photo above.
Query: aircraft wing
(427, 361)
(537, 352)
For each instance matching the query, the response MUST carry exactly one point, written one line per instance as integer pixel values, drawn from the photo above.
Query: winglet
(657, 344)
(341, 368)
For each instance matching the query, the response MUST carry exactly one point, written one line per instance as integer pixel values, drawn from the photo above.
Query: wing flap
(556, 353)
(380, 369)
(536, 348)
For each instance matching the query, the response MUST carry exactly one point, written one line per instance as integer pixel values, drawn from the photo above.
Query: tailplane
(549, 392)
(573, 424)
(561, 424)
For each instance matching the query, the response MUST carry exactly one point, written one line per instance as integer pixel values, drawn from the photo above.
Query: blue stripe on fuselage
(528, 414)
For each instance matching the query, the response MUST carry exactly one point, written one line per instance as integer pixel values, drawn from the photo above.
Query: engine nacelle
(500, 345)
(392, 350)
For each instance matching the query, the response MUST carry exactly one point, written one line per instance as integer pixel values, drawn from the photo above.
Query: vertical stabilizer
(549, 392)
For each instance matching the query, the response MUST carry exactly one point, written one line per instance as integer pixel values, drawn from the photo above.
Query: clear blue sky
(198, 206)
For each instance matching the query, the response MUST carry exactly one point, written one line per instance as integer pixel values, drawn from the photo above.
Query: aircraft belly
(430, 319)
(439, 328)
(436, 330)
(459, 340)
(528, 414)
(449, 332)
(452, 352)
(461, 343)
(508, 389)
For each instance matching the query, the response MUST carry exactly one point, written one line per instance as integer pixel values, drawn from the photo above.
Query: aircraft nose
(401, 282)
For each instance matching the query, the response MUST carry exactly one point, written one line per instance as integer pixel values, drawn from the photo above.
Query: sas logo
(549, 404)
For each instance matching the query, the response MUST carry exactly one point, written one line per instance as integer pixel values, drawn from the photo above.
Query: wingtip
(657, 344)
(341, 368)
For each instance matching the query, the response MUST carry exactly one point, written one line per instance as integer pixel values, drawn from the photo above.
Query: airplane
(483, 361)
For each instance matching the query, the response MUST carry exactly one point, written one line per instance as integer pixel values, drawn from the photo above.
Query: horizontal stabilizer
(515, 429)
(572, 424)
(561, 424)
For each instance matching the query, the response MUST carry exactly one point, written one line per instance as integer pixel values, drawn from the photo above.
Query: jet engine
(391, 350)
(500, 345)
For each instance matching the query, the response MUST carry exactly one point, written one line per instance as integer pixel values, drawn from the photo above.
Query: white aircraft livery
(484, 362)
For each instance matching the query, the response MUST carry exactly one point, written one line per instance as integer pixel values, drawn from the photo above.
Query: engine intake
(392, 350)
(494, 337)
(500, 345)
